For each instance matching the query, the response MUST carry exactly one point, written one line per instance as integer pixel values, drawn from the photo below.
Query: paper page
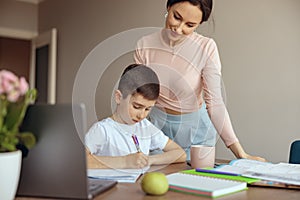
(240, 166)
(231, 169)
(120, 175)
(281, 172)
(278, 169)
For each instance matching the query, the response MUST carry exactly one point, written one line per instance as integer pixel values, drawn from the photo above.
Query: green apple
(155, 183)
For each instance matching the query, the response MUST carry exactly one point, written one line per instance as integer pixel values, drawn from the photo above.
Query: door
(43, 66)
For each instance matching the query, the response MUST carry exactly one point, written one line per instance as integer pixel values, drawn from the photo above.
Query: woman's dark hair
(137, 78)
(204, 5)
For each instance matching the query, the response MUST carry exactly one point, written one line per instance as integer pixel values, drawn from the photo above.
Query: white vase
(10, 166)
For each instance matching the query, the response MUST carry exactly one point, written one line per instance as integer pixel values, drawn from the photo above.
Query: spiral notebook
(204, 185)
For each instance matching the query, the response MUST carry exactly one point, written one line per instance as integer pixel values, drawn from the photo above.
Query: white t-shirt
(110, 138)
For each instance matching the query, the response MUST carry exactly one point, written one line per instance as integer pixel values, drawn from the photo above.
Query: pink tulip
(23, 87)
(13, 96)
(12, 86)
(1, 86)
(8, 81)
(8, 75)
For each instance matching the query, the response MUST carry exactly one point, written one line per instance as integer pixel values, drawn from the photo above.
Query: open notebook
(120, 175)
(280, 172)
(203, 185)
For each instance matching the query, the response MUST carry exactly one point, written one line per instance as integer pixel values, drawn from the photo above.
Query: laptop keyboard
(99, 186)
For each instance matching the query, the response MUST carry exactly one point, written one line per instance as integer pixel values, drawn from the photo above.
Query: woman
(189, 69)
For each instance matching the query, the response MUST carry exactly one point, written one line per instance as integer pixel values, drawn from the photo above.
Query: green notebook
(236, 178)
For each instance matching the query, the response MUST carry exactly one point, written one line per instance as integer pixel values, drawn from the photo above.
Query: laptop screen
(56, 165)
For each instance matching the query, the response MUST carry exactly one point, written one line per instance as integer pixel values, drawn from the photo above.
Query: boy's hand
(136, 160)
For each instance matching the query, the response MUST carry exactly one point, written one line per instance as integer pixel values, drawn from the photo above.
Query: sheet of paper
(120, 175)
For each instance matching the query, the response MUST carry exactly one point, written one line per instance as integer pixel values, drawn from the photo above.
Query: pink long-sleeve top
(189, 72)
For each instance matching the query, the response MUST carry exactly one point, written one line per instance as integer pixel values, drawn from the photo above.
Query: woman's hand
(136, 160)
(239, 152)
(247, 156)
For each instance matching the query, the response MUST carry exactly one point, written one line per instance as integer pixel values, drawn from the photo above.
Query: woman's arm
(212, 79)
(136, 160)
(173, 153)
(239, 152)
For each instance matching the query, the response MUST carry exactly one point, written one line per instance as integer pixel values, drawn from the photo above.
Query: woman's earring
(166, 15)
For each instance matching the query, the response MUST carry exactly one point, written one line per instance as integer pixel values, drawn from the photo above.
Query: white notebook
(203, 185)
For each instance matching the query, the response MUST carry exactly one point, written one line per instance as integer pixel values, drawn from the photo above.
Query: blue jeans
(186, 129)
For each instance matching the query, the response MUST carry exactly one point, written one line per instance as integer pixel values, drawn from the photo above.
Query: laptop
(56, 166)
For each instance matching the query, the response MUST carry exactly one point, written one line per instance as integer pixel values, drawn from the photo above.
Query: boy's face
(133, 108)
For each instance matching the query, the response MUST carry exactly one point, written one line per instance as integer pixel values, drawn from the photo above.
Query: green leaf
(3, 110)
(13, 113)
(27, 139)
(16, 110)
(8, 142)
(9, 147)
(11, 117)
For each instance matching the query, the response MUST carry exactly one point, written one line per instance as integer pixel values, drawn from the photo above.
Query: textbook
(281, 172)
(203, 185)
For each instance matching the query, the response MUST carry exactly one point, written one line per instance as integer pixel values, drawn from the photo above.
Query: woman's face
(183, 18)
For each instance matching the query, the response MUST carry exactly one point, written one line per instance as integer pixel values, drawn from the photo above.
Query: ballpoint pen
(136, 142)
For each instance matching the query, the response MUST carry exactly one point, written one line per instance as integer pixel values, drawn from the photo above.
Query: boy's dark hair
(204, 5)
(137, 78)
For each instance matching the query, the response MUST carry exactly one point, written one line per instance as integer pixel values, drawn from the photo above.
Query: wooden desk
(132, 191)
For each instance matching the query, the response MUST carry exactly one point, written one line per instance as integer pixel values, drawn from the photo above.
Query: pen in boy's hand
(136, 142)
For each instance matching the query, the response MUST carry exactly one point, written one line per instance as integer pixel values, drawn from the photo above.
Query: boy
(125, 139)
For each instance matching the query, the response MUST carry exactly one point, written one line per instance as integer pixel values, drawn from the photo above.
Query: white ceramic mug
(202, 156)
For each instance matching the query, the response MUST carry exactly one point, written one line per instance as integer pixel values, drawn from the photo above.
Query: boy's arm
(173, 153)
(136, 160)
(92, 162)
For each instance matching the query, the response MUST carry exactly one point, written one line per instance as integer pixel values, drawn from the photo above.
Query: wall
(259, 48)
(81, 27)
(15, 56)
(18, 24)
(259, 44)
(18, 19)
